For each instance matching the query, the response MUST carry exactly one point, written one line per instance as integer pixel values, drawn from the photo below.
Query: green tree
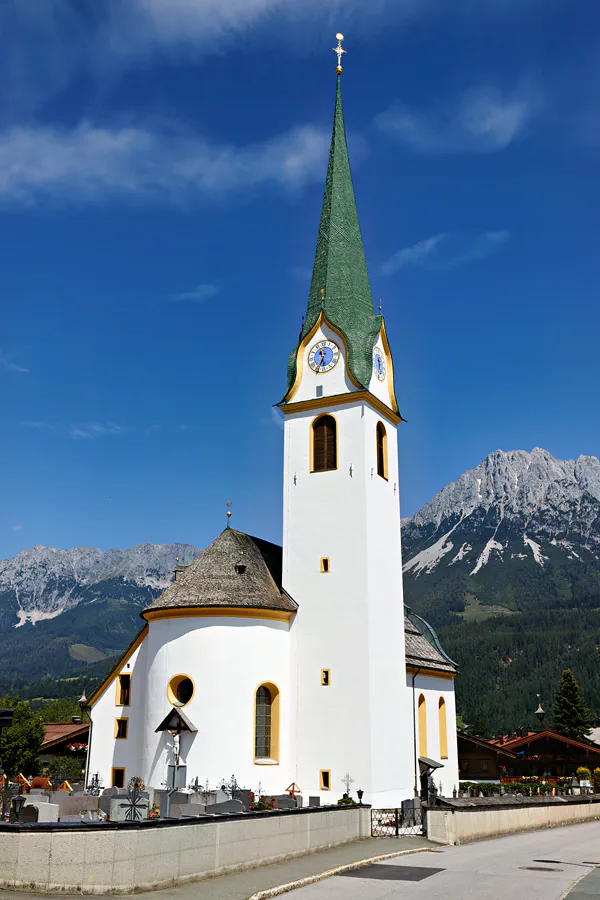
(571, 717)
(61, 710)
(66, 767)
(20, 744)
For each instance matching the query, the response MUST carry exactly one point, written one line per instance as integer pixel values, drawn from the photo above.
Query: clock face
(323, 356)
(379, 363)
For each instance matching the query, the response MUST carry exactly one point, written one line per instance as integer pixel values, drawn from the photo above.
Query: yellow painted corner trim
(300, 354)
(390, 366)
(117, 669)
(238, 612)
(434, 673)
(341, 400)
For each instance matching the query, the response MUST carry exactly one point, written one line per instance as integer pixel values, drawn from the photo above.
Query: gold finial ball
(339, 36)
(338, 70)
(228, 513)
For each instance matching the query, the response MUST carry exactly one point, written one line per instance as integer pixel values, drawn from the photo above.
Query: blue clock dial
(323, 356)
(379, 363)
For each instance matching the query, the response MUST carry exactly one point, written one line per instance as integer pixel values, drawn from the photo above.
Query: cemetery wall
(484, 819)
(130, 857)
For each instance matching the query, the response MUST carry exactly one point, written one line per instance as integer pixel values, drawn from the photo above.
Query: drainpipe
(415, 758)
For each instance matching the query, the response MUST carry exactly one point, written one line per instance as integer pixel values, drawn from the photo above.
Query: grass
(83, 653)
(475, 611)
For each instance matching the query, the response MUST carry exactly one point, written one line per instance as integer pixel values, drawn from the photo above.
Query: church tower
(341, 539)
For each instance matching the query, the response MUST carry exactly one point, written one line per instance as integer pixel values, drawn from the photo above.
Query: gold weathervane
(339, 50)
(229, 505)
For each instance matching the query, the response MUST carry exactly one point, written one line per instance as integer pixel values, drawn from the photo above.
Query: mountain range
(504, 563)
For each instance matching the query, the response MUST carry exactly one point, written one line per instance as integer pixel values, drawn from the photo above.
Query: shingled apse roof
(215, 577)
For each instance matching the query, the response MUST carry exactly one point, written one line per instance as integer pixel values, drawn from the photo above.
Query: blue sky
(161, 172)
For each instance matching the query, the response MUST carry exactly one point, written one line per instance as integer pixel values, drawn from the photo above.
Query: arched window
(443, 729)
(382, 463)
(324, 444)
(266, 723)
(422, 727)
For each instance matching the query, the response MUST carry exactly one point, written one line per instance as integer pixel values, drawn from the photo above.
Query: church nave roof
(236, 570)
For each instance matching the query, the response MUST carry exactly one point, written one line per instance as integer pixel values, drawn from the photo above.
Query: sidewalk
(242, 885)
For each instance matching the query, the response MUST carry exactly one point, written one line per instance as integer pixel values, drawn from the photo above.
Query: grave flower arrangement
(262, 802)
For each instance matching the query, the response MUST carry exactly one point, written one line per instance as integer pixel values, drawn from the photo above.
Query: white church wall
(106, 752)
(337, 381)
(390, 709)
(433, 689)
(227, 658)
(345, 621)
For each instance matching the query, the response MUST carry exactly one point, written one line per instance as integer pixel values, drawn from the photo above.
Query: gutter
(415, 731)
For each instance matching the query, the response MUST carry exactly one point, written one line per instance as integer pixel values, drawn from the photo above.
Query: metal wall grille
(397, 822)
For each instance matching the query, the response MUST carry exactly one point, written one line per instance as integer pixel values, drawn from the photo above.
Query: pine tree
(571, 717)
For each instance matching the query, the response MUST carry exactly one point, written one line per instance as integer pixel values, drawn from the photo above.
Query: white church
(299, 663)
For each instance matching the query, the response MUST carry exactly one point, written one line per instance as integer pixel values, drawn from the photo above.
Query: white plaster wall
(432, 689)
(227, 659)
(105, 751)
(337, 381)
(349, 620)
(118, 861)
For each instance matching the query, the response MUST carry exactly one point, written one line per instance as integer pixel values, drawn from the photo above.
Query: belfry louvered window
(324, 444)
(262, 739)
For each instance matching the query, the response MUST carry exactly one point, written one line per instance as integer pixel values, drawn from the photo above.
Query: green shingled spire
(340, 268)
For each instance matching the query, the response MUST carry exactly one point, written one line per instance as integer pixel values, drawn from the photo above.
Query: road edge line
(312, 879)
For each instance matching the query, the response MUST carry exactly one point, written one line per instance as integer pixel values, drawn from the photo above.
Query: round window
(180, 690)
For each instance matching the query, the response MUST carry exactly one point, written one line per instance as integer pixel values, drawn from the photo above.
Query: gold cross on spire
(339, 50)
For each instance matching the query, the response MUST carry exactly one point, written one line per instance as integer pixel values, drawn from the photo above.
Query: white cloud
(17, 528)
(94, 430)
(8, 365)
(90, 163)
(198, 294)
(482, 120)
(446, 251)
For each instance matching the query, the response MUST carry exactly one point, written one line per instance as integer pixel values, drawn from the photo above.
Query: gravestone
(47, 812)
(314, 801)
(244, 797)
(284, 801)
(28, 814)
(105, 798)
(228, 806)
(187, 810)
(129, 807)
(177, 798)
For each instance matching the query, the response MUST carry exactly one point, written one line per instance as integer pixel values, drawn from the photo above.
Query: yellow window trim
(112, 775)
(325, 677)
(118, 690)
(311, 458)
(422, 726)
(383, 474)
(325, 565)
(275, 710)
(172, 686)
(126, 735)
(443, 727)
(322, 773)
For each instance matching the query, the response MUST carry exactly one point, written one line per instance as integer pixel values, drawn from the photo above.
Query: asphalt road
(541, 865)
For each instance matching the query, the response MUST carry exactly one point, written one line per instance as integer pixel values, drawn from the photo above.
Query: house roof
(58, 732)
(420, 653)
(485, 744)
(515, 743)
(340, 269)
(215, 578)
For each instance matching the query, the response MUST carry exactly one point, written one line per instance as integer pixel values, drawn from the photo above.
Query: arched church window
(266, 723)
(382, 463)
(443, 729)
(324, 444)
(422, 726)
